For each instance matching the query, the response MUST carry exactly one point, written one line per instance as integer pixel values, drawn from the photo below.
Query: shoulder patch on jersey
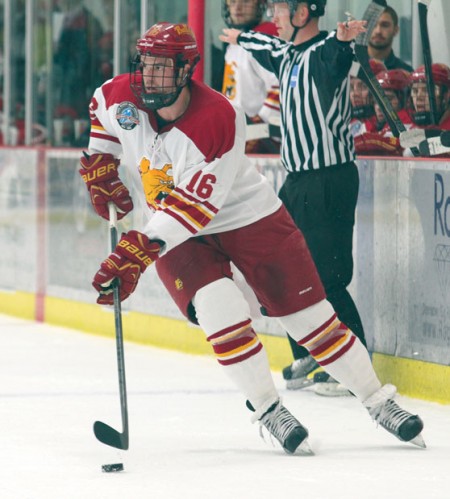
(127, 115)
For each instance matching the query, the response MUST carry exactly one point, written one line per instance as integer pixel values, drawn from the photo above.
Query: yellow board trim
(19, 304)
(414, 378)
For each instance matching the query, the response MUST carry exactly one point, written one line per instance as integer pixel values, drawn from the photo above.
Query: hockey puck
(108, 468)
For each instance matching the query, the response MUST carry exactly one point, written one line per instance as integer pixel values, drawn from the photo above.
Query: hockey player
(207, 207)
(395, 84)
(380, 141)
(245, 83)
(362, 101)
(419, 95)
(421, 115)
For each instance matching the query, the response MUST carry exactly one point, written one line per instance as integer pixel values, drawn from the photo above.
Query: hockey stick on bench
(430, 142)
(372, 15)
(105, 433)
(427, 59)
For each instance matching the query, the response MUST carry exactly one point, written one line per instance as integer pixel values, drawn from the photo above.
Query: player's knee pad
(220, 304)
(224, 315)
(304, 322)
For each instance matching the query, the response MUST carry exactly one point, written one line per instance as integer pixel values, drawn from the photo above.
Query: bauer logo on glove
(134, 253)
(100, 173)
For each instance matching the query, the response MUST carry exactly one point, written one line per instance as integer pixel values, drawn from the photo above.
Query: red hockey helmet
(440, 72)
(175, 42)
(261, 6)
(441, 78)
(394, 79)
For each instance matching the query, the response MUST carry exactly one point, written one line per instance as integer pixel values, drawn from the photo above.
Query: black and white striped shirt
(314, 97)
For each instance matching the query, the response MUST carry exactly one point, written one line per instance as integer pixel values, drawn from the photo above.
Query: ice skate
(327, 386)
(296, 375)
(405, 426)
(286, 429)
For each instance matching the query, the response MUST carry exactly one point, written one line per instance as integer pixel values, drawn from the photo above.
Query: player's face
(383, 33)
(281, 17)
(359, 93)
(419, 96)
(158, 74)
(242, 11)
(393, 99)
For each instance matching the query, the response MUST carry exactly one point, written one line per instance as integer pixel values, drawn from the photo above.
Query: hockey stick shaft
(427, 58)
(105, 433)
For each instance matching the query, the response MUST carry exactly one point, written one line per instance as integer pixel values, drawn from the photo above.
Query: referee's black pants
(322, 204)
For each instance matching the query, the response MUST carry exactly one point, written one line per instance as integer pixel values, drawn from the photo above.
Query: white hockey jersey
(193, 172)
(248, 85)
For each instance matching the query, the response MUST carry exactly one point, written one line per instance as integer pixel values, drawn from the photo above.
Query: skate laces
(391, 416)
(279, 422)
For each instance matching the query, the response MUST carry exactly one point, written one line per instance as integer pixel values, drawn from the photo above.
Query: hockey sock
(223, 314)
(334, 347)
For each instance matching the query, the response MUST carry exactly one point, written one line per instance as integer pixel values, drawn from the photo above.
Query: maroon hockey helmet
(261, 7)
(440, 72)
(174, 42)
(394, 79)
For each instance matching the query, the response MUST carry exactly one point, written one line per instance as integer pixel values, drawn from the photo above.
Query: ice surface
(190, 432)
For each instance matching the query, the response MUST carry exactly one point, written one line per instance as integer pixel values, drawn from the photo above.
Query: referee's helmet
(316, 7)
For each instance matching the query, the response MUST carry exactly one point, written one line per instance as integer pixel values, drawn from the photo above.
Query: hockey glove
(373, 143)
(133, 254)
(99, 171)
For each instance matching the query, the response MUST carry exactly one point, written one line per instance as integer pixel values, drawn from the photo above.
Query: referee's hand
(349, 30)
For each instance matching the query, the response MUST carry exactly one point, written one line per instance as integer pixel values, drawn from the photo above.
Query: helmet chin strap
(298, 28)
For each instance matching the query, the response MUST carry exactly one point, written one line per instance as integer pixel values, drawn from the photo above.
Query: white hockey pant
(334, 347)
(224, 315)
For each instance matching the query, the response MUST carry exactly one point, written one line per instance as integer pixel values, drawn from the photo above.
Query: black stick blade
(371, 15)
(110, 436)
(445, 139)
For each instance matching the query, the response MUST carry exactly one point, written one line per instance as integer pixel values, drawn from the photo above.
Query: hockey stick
(105, 433)
(427, 59)
(429, 142)
(433, 147)
(445, 138)
(372, 15)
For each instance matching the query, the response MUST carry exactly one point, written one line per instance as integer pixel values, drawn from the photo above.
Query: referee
(321, 187)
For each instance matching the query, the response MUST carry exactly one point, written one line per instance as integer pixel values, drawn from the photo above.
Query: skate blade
(419, 441)
(304, 449)
(299, 383)
(331, 390)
